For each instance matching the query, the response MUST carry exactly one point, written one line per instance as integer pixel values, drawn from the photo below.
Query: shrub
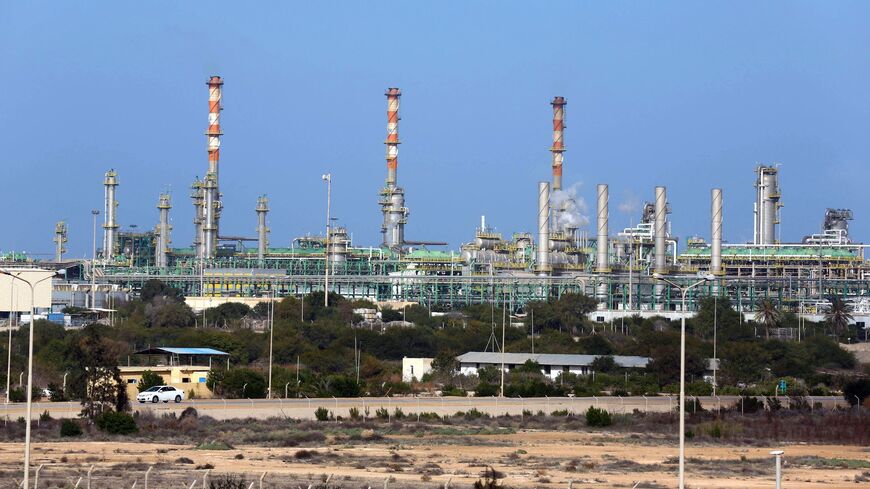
(69, 427)
(45, 416)
(116, 423)
(228, 482)
(17, 395)
(563, 412)
(750, 404)
(859, 388)
(321, 414)
(183, 460)
(354, 413)
(382, 413)
(598, 417)
(486, 390)
(773, 403)
(398, 413)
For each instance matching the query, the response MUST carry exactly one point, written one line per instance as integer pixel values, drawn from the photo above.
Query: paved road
(304, 408)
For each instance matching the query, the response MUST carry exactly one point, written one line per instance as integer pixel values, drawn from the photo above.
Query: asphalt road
(304, 408)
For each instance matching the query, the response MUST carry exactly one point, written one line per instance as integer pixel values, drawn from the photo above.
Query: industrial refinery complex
(636, 270)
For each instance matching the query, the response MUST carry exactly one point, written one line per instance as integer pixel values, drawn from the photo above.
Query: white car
(158, 393)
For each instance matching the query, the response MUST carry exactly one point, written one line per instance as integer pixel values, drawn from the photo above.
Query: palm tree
(768, 315)
(838, 314)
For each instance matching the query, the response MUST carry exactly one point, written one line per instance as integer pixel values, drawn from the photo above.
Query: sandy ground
(527, 459)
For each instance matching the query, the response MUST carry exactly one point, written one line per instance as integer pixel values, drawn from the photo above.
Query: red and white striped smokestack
(214, 123)
(558, 148)
(392, 141)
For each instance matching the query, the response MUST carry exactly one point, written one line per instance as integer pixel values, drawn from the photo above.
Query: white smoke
(574, 211)
(629, 205)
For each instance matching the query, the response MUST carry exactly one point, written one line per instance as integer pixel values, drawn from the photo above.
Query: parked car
(158, 393)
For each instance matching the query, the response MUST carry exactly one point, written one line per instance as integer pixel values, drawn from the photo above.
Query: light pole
(271, 336)
(133, 244)
(9, 346)
(778, 455)
(29, 369)
(328, 179)
(94, 213)
(683, 290)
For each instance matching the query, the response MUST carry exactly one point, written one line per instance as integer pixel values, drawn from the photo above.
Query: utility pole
(94, 213)
(328, 179)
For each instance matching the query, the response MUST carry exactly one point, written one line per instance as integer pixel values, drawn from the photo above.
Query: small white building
(551, 364)
(413, 369)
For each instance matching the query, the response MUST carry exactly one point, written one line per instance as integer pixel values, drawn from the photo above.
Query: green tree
(742, 362)
(446, 365)
(768, 315)
(244, 383)
(604, 364)
(155, 288)
(665, 364)
(838, 314)
(149, 380)
(96, 375)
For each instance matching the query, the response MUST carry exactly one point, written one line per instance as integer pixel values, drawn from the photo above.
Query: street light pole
(94, 213)
(271, 335)
(682, 408)
(9, 346)
(26, 484)
(328, 179)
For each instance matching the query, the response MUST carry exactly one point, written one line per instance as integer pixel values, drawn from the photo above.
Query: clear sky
(691, 95)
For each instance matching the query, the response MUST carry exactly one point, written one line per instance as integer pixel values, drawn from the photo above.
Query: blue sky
(691, 95)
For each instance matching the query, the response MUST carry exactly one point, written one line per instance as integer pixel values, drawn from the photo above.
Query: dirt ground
(525, 459)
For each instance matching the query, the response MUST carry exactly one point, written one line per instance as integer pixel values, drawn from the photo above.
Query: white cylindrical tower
(110, 222)
(716, 232)
(543, 261)
(602, 264)
(262, 231)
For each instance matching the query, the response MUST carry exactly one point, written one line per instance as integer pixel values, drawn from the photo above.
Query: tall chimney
(602, 264)
(163, 205)
(60, 239)
(213, 134)
(262, 231)
(716, 232)
(110, 222)
(558, 147)
(543, 228)
(392, 196)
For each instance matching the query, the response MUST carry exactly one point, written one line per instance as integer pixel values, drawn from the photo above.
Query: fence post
(387, 480)
(447, 484)
(645, 404)
(89, 476)
(622, 403)
(146, 475)
(192, 484)
(811, 403)
(261, 479)
(36, 476)
(134, 485)
(205, 479)
(718, 405)
(77, 483)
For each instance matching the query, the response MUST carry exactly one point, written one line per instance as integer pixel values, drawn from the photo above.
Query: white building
(551, 364)
(413, 369)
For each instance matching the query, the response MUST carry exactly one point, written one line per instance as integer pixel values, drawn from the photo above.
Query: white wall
(415, 368)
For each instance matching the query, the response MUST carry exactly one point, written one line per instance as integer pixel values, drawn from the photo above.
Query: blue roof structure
(173, 350)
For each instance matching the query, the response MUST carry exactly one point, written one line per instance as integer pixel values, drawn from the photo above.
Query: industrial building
(557, 256)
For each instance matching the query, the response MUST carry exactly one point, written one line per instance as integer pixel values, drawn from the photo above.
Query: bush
(486, 390)
(382, 413)
(598, 417)
(354, 413)
(228, 482)
(750, 404)
(45, 416)
(116, 423)
(321, 414)
(859, 388)
(17, 395)
(69, 427)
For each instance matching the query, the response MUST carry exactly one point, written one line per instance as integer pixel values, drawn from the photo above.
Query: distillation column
(767, 205)
(163, 205)
(60, 239)
(262, 231)
(659, 235)
(601, 262)
(110, 223)
(198, 198)
(716, 232)
(543, 261)
(392, 196)
(212, 213)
